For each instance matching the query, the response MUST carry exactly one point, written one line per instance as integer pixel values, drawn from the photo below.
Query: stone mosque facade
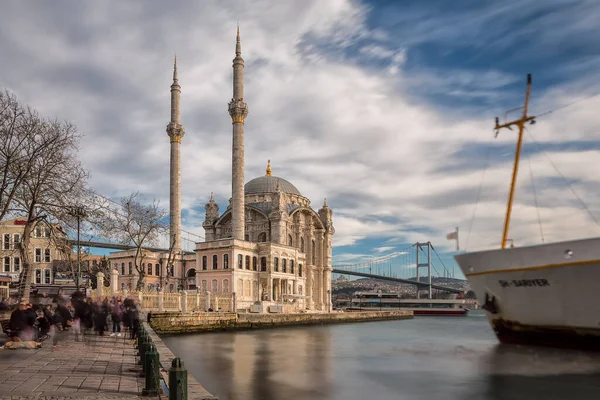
(269, 247)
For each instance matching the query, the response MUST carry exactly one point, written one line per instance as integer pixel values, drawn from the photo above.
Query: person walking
(117, 316)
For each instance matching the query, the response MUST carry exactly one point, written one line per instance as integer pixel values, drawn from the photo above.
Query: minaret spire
(238, 110)
(176, 132)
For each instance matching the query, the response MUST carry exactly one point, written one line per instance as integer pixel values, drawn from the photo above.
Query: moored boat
(374, 301)
(538, 295)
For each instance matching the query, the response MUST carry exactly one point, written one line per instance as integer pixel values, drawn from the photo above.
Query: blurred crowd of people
(54, 318)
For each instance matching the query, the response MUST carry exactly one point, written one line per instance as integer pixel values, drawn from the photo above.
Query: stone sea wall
(171, 322)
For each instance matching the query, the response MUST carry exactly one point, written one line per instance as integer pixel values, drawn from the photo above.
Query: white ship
(539, 295)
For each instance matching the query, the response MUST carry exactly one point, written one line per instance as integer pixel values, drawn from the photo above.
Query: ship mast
(521, 124)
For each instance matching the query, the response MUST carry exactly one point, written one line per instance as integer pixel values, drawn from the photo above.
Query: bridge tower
(419, 247)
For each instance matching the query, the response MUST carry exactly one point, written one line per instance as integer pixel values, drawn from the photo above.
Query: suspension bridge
(404, 266)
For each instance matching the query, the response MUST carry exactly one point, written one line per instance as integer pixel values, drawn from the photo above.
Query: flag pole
(457, 245)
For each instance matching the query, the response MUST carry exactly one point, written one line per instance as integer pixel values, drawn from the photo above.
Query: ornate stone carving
(212, 210)
(175, 132)
(238, 110)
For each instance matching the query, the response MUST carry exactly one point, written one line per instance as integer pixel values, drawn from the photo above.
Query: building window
(16, 264)
(6, 264)
(171, 287)
(302, 245)
(47, 277)
(248, 262)
(38, 255)
(254, 263)
(299, 269)
(123, 286)
(47, 255)
(130, 268)
(313, 255)
(215, 261)
(240, 260)
(291, 266)
(6, 243)
(225, 261)
(262, 237)
(290, 241)
(263, 264)
(157, 269)
(38, 231)
(38, 276)
(122, 268)
(276, 264)
(214, 286)
(204, 285)
(16, 240)
(247, 238)
(225, 286)
(149, 268)
(283, 265)
(204, 263)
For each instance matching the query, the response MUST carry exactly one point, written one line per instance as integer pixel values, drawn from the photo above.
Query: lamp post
(379, 295)
(328, 301)
(78, 212)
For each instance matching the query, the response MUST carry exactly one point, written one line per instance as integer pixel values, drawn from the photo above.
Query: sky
(385, 108)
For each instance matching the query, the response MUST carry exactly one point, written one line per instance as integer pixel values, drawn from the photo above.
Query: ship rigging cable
(535, 198)
(487, 164)
(563, 177)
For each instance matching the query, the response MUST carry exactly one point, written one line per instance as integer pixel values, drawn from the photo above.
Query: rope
(563, 178)
(537, 206)
(568, 104)
(487, 164)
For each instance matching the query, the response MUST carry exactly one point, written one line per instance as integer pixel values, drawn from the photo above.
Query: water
(424, 358)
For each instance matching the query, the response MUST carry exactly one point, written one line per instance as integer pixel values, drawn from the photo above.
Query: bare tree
(54, 183)
(137, 225)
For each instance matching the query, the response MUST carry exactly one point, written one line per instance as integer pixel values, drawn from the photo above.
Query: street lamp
(78, 212)
(379, 295)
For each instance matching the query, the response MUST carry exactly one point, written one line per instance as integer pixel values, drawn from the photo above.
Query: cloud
(391, 121)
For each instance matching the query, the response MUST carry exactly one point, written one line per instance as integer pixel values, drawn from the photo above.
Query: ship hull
(543, 295)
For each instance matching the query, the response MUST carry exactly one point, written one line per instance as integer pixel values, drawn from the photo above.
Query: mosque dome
(268, 184)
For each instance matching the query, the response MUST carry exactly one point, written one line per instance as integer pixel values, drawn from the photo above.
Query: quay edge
(176, 322)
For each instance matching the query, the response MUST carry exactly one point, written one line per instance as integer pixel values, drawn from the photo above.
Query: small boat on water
(374, 301)
(538, 295)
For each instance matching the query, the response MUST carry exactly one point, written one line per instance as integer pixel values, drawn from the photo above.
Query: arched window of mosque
(240, 261)
(283, 265)
(204, 263)
(254, 263)
(157, 269)
(262, 237)
(290, 241)
(248, 262)
(302, 245)
(204, 285)
(300, 270)
(225, 261)
(225, 286)
(276, 264)
(215, 261)
(291, 266)
(130, 268)
(149, 268)
(313, 255)
(215, 287)
(122, 268)
(263, 264)
(240, 287)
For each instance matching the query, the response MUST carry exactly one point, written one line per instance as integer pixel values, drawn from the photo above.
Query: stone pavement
(98, 368)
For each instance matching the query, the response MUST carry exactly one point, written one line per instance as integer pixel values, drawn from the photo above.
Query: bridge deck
(421, 285)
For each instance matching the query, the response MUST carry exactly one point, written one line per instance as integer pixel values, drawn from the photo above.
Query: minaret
(238, 111)
(175, 131)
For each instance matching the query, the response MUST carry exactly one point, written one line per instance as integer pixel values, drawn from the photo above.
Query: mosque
(269, 247)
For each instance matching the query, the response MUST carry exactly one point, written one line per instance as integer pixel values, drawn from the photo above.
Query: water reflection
(423, 358)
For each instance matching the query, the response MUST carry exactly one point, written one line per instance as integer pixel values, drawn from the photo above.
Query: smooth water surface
(424, 358)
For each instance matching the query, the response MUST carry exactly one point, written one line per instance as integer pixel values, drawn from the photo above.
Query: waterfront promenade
(98, 368)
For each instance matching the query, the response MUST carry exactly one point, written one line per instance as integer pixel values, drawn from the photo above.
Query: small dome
(268, 184)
